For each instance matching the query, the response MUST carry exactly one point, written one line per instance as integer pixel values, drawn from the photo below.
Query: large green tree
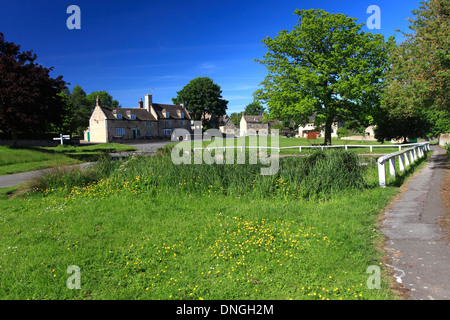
(29, 100)
(235, 117)
(419, 77)
(106, 100)
(326, 65)
(201, 96)
(254, 109)
(77, 110)
(420, 73)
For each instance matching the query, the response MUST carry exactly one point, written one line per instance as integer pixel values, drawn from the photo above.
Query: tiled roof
(144, 115)
(172, 109)
(253, 119)
(141, 114)
(230, 122)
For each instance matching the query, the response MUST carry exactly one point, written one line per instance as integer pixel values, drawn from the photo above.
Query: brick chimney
(141, 104)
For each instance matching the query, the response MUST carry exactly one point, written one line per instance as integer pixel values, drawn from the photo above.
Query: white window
(118, 116)
(120, 131)
(149, 133)
(149, 123)
(167, 132)
(132, 116)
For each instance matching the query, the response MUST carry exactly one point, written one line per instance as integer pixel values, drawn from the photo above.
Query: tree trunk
(328, 131)
(14, 138)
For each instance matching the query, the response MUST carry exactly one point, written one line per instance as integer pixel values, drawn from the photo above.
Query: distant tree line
(328, 66)
(32, 102)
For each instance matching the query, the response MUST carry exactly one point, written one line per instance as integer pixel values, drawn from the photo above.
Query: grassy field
(14, 160)
(284, 142)
(144, 228)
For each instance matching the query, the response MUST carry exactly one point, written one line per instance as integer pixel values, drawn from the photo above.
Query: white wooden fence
(405, 158)
(300, 148)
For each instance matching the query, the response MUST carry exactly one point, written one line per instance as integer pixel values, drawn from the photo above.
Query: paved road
(148, 147)
(416, 246)
(18, 178)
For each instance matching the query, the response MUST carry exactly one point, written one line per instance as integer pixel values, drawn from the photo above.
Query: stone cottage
(253, 125)
(148, 121)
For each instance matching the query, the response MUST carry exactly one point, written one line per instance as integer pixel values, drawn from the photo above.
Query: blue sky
(132, 48)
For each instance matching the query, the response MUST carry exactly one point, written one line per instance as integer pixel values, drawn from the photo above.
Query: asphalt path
(417, 247)
(19, 178)
(23, 177)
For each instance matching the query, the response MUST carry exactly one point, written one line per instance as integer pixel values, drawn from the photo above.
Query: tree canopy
(29, 97)
(416, 101)
(254, 109)
(201, 96)
(235, 117)
(106, 100)
(326, 65)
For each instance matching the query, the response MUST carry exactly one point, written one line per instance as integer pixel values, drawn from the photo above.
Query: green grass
(5, 193)
(15, 160)
(144, 228)
(293, 142)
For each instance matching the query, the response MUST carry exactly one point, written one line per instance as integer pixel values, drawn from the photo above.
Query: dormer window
(167, 114)
(118, 116)
(132, 116)
(182, 115)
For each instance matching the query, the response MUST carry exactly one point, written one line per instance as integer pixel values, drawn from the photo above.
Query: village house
(228, 127)
(253, 125)
(147, 121)
(309, 129)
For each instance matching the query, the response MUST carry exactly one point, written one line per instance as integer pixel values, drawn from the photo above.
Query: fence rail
(346, 146)
(405, 158)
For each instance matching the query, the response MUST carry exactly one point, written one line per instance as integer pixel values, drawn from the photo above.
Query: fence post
(401, 162)
(345, 147)
(371, 148)
(392, 166)
(406, 159)
(300, 149)
(382, 174)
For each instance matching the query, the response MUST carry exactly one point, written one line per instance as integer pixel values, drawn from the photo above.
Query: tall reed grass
(319, 175)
